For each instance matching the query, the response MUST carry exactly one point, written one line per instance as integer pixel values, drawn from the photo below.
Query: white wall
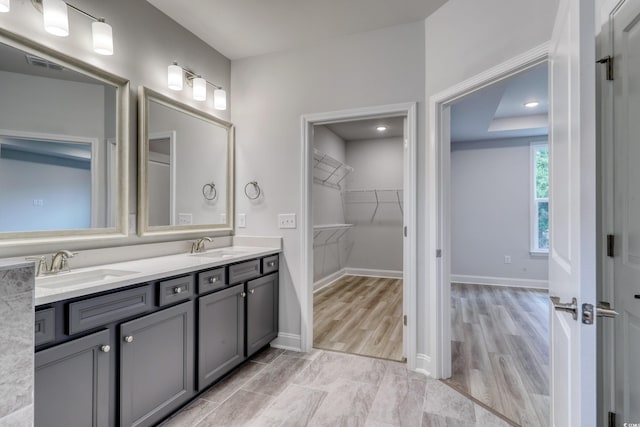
(329, 254)
(490, 212)
(271, 92)
(377, 241)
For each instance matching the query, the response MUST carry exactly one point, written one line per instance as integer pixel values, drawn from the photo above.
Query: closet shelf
(329, 171)
(374, 196)
(329, 233)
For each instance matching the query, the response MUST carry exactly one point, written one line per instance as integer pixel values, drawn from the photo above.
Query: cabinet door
(220, 334)
(262, 312)
(156, 365)
(72, 383)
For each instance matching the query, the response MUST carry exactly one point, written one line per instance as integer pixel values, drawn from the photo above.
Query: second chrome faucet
(198, 245)
(59, 262)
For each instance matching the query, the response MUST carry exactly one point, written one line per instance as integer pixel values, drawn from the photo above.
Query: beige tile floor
(324, 388)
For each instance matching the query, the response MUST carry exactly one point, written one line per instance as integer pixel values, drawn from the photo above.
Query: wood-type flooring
(500, 349)
(360, 315)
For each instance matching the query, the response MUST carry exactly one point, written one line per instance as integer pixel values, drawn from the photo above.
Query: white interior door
(572, 254)
(626, 111)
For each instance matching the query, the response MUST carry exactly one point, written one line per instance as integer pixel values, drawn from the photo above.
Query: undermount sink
(221, 253)
(62, 280)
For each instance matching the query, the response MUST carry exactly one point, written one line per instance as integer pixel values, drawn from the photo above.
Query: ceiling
(498, 111)
(240, 29)
(366, 129)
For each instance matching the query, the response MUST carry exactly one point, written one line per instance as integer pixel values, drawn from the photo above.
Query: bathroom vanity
(147, 336)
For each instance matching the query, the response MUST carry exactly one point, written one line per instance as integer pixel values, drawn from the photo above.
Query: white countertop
(145, 270)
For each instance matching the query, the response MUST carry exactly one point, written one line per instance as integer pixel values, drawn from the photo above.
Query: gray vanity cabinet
(72, 383)
(262, 312)
(156, 365)
(220, 334)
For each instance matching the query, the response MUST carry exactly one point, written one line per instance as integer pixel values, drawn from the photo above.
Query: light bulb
(174, 77)
(531, 104)
(5, 6)
(102, 38)
(56, 20)
(219, 99)
(199, 89)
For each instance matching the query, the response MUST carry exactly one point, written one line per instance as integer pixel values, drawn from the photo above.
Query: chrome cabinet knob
(243, 294)
(105, 348)
(213, 279)
(271, 264)
(177, 290)
(252, 291)
(128, 338)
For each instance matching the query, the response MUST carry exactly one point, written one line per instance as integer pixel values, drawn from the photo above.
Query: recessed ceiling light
(531, 104)
(381, 128)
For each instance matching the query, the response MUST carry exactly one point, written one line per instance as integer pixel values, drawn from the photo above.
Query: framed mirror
(63, 147)
(186, 168)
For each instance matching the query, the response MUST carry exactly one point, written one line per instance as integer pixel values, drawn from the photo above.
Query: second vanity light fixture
(175, 79)
(56, 22)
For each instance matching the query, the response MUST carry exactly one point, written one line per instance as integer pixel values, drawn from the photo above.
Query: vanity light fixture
(56, 22)
(175, 77)
(381, 128)
(531, 104)
(5, 6)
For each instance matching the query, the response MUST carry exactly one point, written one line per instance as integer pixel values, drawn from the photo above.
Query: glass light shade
(56, 20)
(174, 77)
(199, 89)
(5, 6)
(219, 99)
(102, 38)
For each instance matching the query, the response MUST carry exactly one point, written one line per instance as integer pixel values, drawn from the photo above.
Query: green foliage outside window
(542, 192)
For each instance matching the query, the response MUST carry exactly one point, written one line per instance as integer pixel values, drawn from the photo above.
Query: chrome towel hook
(252, 193)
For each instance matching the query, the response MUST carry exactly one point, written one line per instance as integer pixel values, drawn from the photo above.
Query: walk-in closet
(357, 200)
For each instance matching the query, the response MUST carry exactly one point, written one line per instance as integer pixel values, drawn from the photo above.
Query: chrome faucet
(60, 261)
(198, 245)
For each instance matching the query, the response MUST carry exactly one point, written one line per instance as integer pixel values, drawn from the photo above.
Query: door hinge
(612, 419)
(405, 231)
(404, 320)
(610, 245)
(608, 60)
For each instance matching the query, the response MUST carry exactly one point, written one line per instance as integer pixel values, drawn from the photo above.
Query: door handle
(603, 309)
(571, 307)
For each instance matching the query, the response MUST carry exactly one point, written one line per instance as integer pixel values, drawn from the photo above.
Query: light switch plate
(242, 220)
(223, 218)
(185, 219)
(132, 223)
(287, 220)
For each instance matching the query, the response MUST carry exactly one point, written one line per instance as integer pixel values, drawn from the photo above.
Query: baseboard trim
(423, 364)
(387, 274)
(500, 281)
(287, 341)
(328, 280)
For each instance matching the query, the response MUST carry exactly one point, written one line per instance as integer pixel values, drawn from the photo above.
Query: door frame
(410, 179)
(438, 206)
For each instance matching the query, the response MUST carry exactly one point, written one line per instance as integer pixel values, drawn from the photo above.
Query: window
(540, 198)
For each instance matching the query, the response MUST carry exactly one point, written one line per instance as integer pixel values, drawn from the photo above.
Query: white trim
(510, 282)
(368, 272)
(287, 341)
(328, 280)
(436, 299)
(409, 110)
(423, 364)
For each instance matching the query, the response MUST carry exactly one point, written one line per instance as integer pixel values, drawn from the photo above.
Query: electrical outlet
(242, 220)
(287, 220)
(507, 259)
(38, 202)
(185, 219)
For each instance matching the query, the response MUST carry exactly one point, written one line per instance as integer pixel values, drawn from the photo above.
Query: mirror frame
(144, 229)
(24, 238)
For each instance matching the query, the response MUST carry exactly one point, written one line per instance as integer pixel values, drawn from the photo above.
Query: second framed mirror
(186, 168)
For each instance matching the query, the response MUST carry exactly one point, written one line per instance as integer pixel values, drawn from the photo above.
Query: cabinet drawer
(244, 271)
(212, 280)
(175, 290)
(98, 311)
(45, 326)
(269, 264)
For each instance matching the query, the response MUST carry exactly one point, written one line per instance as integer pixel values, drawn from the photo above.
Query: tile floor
(324, 388)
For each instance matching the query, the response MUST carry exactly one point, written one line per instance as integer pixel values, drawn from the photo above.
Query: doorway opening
(495, 237)
(358, 214)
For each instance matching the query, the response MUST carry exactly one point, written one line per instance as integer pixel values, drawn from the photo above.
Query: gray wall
(145, 42)
(490, 211)
(377, 241)
(270, 93)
